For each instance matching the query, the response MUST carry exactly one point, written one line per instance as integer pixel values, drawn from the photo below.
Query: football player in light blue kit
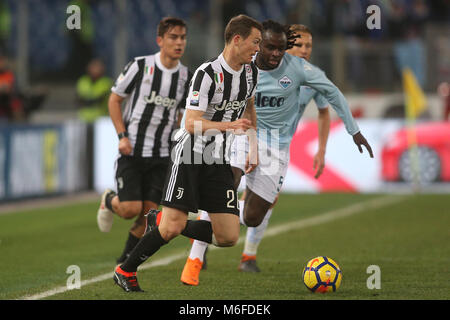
(282, 78)
(302, 48)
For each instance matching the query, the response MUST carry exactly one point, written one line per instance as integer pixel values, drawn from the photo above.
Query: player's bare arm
(250, 111)
(115, 112)
(179, 118)
(324, 130)
(195, 121)
(252, 158)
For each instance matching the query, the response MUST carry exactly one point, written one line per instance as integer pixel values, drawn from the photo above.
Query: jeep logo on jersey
(285, 82)
(160, 101)
(265, 101)
(230, 105)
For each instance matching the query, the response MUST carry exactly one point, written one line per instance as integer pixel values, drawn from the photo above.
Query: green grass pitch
(407, 236)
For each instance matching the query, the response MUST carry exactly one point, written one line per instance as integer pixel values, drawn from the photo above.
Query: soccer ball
(322, 274)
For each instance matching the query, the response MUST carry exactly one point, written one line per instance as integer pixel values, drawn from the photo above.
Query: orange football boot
(191, 272)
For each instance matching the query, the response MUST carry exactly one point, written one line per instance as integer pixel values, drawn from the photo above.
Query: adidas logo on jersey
(230, 105)
(160, 101)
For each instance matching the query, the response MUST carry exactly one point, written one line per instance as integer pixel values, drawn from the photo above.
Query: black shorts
(141, 179)
(190, 187)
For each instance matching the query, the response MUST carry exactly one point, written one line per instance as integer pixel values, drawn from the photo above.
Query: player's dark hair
(275, 27)
(168, 23)
(240, 25)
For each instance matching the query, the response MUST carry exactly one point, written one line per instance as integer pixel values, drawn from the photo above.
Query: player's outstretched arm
(317, 79)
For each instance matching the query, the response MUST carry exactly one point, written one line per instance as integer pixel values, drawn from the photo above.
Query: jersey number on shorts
(231, 197)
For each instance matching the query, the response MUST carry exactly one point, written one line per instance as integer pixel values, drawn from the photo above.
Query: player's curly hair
(279, 28)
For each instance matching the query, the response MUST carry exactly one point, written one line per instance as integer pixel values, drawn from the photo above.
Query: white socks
(241, 212)
(199, 247)
(252, 240)
(255, 235)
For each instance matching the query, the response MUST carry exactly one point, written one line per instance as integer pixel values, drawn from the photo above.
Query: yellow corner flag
(415, 101)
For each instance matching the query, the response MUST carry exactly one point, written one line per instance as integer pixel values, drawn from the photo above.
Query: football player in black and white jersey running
(153, 89)
(220, 100)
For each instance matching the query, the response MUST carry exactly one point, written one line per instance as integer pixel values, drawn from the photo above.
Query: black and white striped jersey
(154, 97)
(221, 92)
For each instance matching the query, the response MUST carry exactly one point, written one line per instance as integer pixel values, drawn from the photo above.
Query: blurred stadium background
(47, 148)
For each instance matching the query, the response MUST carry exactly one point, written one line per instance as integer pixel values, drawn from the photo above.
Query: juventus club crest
(180, 192)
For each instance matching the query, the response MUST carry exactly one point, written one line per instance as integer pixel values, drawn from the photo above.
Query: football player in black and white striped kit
(220, 100)
(153, 89)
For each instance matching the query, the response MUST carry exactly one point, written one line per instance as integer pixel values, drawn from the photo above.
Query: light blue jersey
(306, 95)
(279, 98)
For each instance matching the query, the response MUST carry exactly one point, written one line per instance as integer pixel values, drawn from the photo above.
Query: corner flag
(415, 101)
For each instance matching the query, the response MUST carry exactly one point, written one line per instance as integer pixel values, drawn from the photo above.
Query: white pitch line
(271, 231)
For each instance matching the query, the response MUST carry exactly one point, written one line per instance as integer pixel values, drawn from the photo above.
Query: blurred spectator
(407, 20)
(93, 91)
(10, 104)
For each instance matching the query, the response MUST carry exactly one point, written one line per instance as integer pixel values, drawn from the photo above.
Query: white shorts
(267, 178)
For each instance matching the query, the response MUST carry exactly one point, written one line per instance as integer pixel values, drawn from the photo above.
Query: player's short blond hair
(300, 28)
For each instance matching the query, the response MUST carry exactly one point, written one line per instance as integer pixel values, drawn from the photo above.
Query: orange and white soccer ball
(322, 274)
